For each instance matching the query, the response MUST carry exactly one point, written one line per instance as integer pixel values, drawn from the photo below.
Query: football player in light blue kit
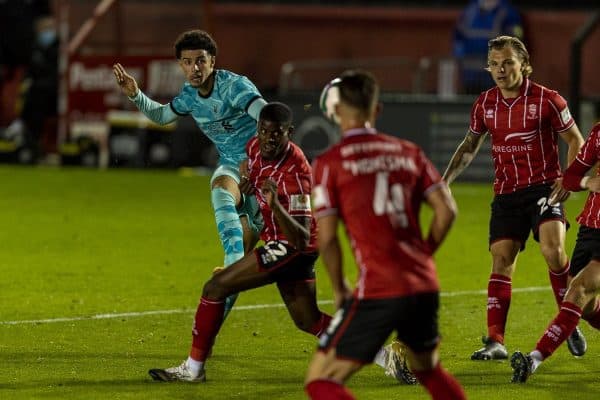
(226, 107)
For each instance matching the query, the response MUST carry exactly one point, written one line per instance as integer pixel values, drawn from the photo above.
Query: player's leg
(504, 255)
(581, 299)
(225, 197)
(241, 275)
(419, 331)
(300, 299)
(508, 231)
(551, 234)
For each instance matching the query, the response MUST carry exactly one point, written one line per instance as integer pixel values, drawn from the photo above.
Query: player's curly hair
(195, 40)
(498, 43)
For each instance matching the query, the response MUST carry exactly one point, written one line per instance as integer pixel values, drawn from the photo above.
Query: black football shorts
(587, 248)
(284, 263)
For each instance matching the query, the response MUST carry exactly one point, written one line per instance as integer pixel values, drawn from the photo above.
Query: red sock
(558, 280)
(207, 323)
(559, 329)
(328, 390)
(440, 384)
(319, 327)
(499, 293)
(594, 319)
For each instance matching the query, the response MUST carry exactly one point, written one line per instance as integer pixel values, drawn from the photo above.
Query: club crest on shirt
(565, 115)
(489, 113)
(532, 111)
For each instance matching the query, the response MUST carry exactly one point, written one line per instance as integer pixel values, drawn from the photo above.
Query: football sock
(320, 326)
(322, 389)
(381, 357)
(207, 322)
(440, 384)
(537, 359)
(559, 329)
(194, 366)
(499, 293)
(558, 280)
(230, 232)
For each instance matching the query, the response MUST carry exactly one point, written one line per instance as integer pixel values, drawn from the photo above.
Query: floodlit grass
(78, 243)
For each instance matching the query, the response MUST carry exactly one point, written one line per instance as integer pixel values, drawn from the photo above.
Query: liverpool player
(376, 184)
(524, 120)
(582, 299)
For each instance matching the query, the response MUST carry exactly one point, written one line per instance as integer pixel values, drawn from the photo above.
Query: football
(329, 98)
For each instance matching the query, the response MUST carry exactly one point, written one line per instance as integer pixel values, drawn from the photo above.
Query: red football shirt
(523, 133)
(292, 173)
(587, 157)
(376, 183)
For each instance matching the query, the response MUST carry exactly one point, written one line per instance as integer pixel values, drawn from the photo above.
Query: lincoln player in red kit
(375, 184)
(582, 299)
(280, 176)
(523, 119)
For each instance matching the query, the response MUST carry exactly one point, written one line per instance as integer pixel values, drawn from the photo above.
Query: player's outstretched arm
(161, 114)
(444, 213)
(463, 156)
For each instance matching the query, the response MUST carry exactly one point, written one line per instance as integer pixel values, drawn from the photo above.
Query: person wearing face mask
(479, 22)
(39, 89)
(524, 120)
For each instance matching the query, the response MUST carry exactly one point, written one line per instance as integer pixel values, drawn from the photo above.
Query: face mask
(46, 37)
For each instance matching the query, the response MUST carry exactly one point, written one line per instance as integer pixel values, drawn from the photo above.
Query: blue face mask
(46, 37)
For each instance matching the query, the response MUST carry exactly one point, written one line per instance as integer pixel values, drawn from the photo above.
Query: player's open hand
(125, 81)
(269, 191)
(559, 193)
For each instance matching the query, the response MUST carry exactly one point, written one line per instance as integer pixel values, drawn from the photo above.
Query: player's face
(506, 69)
(197, 65)
(272, 138)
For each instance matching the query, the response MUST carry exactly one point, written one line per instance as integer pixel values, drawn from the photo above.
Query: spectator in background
(39, 88)
(481, 21)
(17, 37)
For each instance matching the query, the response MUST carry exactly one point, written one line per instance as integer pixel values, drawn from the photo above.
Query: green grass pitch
(101, 272)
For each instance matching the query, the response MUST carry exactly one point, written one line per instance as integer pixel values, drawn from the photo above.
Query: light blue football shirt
(223, 115)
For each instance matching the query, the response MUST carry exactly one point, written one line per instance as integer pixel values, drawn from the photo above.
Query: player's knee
(553, 253)
(577, 291)
(214, 289)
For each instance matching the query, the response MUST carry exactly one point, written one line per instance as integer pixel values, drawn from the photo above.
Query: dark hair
(359, 89)
(277, 112)
(195, 40)
(500, 42)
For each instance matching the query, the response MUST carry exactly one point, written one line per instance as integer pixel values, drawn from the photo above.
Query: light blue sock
(230, 232)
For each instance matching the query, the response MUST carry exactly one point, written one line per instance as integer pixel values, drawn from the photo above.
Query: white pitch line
(236, 308)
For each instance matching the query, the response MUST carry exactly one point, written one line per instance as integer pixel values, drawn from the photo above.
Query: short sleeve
(560, 116)
(324, 190)
(477, 125)
(589, 153)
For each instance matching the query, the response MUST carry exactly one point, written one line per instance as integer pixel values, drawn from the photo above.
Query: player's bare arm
(574, 141)
(297, 230)
(444, 213)
(331, 254)
(463, 156)
(126, 82)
